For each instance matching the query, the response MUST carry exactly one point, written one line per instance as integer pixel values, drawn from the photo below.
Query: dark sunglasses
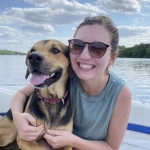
(96, 49)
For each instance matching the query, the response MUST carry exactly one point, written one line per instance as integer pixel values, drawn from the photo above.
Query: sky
(24, 22)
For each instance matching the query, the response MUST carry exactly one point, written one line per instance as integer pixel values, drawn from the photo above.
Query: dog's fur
(47, 57)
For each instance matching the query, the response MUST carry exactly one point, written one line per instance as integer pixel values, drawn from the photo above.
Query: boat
(137, 136)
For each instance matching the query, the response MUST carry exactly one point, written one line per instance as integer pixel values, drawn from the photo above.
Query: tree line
(9, 52)
(137, 51)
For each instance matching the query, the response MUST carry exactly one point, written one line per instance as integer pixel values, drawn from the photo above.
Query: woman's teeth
(86, 66)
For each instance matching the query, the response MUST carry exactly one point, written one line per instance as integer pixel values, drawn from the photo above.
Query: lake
(135, 71)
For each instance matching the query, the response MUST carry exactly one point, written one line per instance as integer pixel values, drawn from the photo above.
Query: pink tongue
(38, 79)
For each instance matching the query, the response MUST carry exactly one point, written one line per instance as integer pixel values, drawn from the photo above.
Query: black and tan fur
(45, 57)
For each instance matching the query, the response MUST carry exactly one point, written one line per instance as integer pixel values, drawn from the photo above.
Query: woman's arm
(116, 131)
(120, 117)
(58, 139)
(18, 100)
(25, 123)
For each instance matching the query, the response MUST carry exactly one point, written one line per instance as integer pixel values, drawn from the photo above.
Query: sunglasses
(96, 49)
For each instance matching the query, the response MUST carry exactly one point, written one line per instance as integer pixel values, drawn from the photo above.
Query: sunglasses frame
(88, 47)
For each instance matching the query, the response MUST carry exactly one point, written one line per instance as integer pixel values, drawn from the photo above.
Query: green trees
(9, 52)
(137, 51)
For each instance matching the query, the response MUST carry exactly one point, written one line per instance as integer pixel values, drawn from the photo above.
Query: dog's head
(48, 62)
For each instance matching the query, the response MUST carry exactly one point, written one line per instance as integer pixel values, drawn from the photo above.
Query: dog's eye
(55, 50)
(32, 50)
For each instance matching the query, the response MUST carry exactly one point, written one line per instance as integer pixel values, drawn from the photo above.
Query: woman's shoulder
(125, 95)
(115, 83)
(120, 82)
(114, 77)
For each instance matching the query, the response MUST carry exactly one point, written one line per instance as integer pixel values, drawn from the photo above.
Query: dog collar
(52, 100)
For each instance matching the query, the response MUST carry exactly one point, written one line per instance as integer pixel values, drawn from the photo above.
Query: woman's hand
(58, 139)
(26, 126)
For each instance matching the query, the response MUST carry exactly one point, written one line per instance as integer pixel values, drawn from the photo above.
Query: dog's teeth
(52, 74)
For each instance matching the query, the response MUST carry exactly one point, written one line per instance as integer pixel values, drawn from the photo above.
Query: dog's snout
(35, 58)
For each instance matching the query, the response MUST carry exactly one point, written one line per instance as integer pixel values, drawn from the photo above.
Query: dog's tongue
(38, 79)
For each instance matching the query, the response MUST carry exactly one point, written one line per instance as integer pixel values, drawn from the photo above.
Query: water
(12, 70)
(136, 72)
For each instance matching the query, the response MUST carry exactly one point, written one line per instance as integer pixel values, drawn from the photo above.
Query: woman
(101, 100)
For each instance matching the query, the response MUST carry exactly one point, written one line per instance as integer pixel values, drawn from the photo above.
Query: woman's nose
(85, 55)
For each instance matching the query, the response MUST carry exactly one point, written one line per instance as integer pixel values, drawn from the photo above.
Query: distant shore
(10, 52)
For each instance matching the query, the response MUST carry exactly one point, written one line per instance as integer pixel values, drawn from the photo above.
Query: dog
(48, 63)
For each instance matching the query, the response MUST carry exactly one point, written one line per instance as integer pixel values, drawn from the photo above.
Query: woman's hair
(107, 23)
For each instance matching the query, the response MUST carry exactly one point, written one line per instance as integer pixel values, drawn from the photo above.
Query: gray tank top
(92, 113)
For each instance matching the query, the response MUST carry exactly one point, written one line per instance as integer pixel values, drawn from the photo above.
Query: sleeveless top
(93, 113)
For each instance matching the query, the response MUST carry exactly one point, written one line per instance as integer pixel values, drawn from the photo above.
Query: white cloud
(21, 27)
(131, 35)
(123, 6)
(134, 30)
(146, 1)
(66, 7)
(138, 20)
(52, 12)
(41, 28)
(39, 3)
(39, 22)
(69, 6)
(9, 32)
(132, 41)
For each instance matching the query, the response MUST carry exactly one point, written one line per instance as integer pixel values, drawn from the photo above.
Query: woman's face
(84, 65)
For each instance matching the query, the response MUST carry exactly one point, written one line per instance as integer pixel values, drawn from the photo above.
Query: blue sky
(23, 22)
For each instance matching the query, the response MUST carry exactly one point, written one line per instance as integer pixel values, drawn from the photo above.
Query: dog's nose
(35, 58)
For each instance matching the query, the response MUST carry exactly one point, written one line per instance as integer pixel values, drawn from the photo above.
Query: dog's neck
(55, 92)
(52, 100)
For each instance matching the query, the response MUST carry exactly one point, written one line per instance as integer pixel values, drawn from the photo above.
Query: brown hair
(107, 23)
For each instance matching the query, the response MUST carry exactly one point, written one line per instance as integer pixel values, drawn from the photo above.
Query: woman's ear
(114, 56)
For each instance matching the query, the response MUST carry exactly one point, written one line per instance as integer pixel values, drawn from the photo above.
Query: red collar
(52, 100)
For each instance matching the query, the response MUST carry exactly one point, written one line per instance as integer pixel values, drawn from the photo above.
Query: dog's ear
(27, 72)
(70, 71)
(28, 53)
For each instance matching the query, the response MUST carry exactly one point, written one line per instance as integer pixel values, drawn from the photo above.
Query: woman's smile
(85, 66)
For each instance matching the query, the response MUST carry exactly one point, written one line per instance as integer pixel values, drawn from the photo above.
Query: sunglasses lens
(76, 46)
(97, 49)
